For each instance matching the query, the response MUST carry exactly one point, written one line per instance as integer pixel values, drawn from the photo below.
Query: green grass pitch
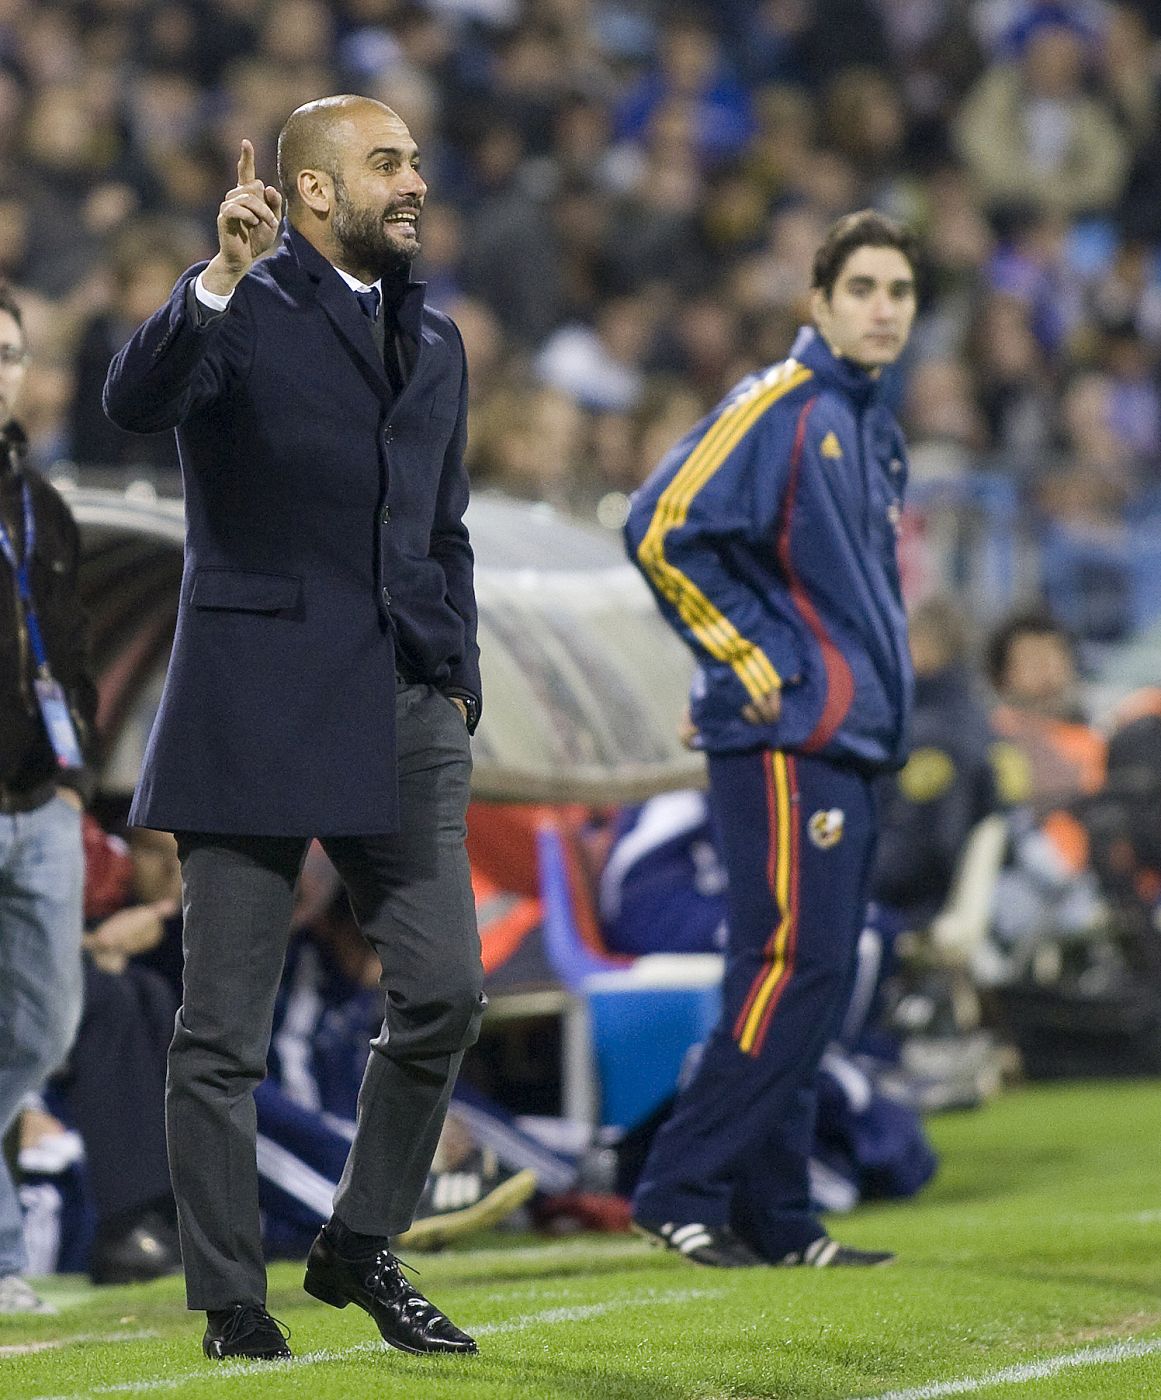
(1030, 1268)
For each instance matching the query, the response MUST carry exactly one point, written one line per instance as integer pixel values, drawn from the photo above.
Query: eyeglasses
(13, 356)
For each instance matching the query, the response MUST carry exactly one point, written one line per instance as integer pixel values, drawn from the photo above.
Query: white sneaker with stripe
(715, 1246)
(825, 1253)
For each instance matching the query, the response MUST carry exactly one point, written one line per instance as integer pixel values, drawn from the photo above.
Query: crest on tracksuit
(825, 829)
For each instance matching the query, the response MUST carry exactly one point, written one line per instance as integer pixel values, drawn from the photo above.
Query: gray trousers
(412, 895)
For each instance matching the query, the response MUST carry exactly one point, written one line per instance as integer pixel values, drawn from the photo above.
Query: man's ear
(819, 305)
(316, 191)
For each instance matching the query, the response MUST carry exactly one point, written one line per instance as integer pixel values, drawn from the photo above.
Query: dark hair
(1036, 622)
(8, 303)
(866, 228)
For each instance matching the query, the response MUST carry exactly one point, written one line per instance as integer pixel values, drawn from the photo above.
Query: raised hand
(247, 226)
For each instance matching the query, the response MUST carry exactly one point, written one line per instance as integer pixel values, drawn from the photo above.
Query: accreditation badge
(58, 722)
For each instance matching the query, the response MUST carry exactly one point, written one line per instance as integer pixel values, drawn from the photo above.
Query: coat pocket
(241, 590)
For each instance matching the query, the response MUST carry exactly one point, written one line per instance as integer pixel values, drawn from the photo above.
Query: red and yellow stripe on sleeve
(716, 633)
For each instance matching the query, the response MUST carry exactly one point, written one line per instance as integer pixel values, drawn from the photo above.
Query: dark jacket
(27, 761)
(768, 535)
(325, 548)
(947, 785)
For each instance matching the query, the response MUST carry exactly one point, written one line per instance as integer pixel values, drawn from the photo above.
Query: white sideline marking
(55, 1343)
(620, 1247)
(580, 1311)
(1030, 1371)
(228, 1371)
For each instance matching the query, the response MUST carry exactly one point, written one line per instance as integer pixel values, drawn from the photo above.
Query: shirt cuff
(210, 300)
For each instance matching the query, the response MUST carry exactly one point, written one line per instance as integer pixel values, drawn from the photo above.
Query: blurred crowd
(624, 198)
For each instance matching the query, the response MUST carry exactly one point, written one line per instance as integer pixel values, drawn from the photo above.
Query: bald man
(324, 682)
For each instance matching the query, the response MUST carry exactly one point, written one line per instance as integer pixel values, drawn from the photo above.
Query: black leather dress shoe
(246, 1330)
(404, 1317)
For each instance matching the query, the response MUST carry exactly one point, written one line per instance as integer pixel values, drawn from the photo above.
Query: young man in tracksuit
(768, 536)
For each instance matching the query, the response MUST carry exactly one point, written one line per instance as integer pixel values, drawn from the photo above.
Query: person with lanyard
(47, 706)
(324, 682)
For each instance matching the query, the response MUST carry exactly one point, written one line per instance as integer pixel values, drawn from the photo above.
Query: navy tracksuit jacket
(768, 536)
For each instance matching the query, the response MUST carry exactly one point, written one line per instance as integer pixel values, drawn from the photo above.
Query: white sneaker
(17, 1297)
(52, 1154)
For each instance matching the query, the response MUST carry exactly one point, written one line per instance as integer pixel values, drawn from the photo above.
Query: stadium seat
(643, 1014)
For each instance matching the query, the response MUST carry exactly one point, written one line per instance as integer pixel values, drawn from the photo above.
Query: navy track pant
(797, 837)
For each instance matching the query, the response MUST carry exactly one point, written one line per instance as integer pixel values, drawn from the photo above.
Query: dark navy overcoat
(325, 547)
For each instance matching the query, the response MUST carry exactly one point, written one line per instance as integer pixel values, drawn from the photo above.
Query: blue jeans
(41, 890)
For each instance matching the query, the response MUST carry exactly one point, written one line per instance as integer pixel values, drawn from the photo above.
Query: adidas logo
(829, 447)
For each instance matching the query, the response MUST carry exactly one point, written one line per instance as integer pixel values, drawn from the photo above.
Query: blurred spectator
(1048, 758)
(1030, 264)
(809, 41)
(1134, 399)
(690, 73)
(1031, 129)
(778, 276)
(948, 783)
(865, 119)
(112, 1090)
(960, 243)
(528, 441)
(144, 263)
(654, 224)
(1128, 293)
(518, 256)
(1014, 379)
(49, 704)
(669, 410)
(1090, 486)
(1126, 61)
(1123, 820)
(944, 426)
(1031, 664)
(443, 246)
(12, 99)
(483, 344)
(599, 366)
(785, 141)
(662, 886)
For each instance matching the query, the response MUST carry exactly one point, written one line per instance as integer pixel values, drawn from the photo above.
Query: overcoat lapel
(420, 345)
(317, 279)
(352, 327)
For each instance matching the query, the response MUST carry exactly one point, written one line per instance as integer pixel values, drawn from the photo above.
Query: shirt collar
(357, 286)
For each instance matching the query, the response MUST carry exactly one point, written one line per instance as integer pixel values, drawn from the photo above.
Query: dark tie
(369, 302)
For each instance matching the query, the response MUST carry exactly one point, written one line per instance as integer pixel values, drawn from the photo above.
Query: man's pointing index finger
(246, 164)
